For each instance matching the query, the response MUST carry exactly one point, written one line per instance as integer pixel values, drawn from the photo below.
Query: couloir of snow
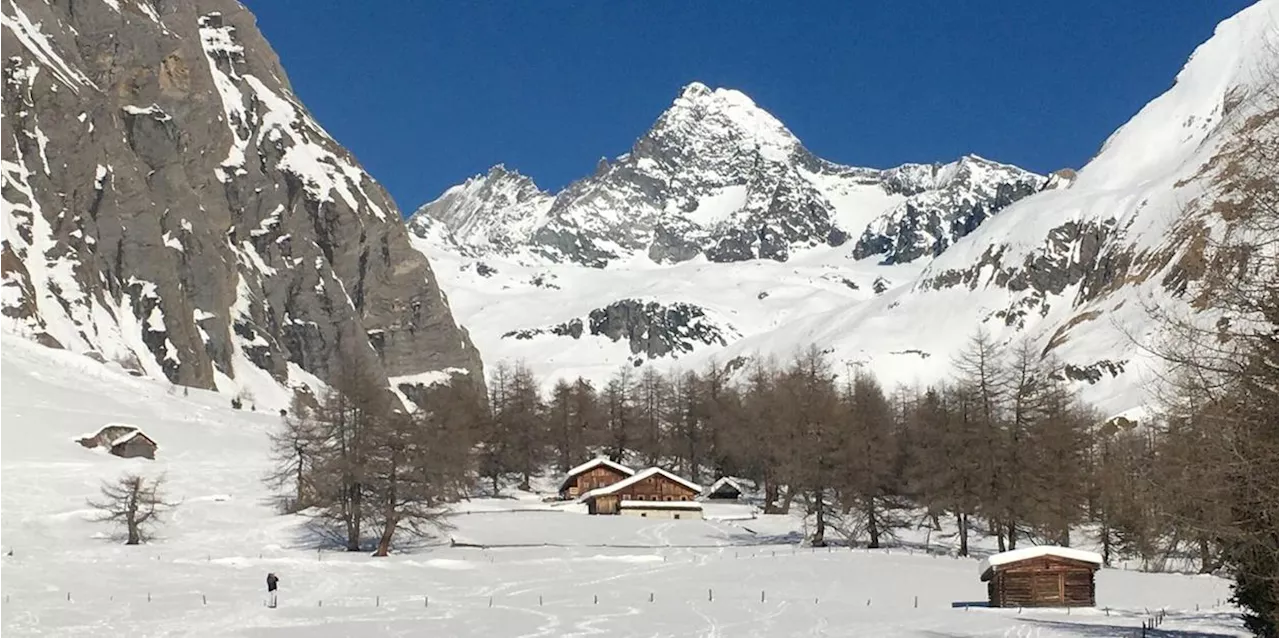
(1138, 185)
(542, 569)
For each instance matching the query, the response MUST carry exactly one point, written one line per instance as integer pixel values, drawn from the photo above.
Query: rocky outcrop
(651, 329)
(958, 198)
(172, 206)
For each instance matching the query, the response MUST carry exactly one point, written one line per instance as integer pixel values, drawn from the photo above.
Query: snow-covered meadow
(539, 570)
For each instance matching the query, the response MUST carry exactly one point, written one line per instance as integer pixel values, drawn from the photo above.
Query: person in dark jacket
(272, 582)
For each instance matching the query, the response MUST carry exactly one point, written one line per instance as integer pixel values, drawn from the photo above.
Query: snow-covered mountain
(170, 206)
(719, 177)
(719, 236)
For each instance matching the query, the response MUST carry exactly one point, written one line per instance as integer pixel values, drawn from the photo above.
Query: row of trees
(1007, 442)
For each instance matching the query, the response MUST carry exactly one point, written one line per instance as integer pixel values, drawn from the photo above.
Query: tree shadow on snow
(1111, 631)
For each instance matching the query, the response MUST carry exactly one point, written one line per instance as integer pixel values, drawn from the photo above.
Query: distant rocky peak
(496, 209)
(724, 117)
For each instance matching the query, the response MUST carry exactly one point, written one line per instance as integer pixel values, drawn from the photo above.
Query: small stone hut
(125, 441)
(1041, 576)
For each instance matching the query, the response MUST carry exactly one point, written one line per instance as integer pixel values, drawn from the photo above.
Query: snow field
(549, 570)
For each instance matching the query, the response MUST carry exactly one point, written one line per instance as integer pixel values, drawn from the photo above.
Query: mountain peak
(723, 118)
(694, 90)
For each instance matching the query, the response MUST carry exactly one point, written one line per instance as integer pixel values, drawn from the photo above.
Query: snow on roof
(1013, 556)
(725, 480)
(661, 505)
(640, 476)
(128, 436)
(598, 461)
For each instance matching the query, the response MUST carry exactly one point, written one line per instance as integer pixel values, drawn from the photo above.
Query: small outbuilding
(125, 441)
(724, 489)
(1041, 576)
(654, 485)
(596, 473)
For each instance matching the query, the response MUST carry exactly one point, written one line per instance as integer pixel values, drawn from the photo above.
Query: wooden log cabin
(654, 485)
(596, 473)
(1042, 576)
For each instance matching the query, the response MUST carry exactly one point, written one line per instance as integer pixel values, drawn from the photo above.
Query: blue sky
(428, 93)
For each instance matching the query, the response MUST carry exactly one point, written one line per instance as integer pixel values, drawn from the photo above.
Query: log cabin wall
(599, 476)
(657, 488)
(1047, 581)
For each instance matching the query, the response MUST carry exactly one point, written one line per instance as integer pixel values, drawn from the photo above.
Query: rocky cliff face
(720, 177)
(170, 205)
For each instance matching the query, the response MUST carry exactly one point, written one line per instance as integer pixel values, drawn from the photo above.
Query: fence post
(709, 595)
(148, 596)
(595, 599)
(915, 603)
(319, 603)
(68, 596)
(491, 601)
(204, 600)
(539, 600)
(377, 601)
(650, 596)
(761, 595)
(426, 601)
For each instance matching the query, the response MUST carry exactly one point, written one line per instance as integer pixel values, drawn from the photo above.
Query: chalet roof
(1016, 555)
(723, 481)
(661, 505)
(636, 478)
(129, 436)
(594, 463)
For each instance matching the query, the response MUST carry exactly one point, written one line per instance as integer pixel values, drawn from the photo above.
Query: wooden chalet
(653, 486)
(596, 473)
(1043, 576)
(724, 489)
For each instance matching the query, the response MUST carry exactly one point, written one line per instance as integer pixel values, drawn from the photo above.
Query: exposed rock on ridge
(171, 205)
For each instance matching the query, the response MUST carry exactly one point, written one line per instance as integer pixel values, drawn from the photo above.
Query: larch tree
(134, 503)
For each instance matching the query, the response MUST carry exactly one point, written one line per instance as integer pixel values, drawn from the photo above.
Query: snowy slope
(574, 574)
(930, 257)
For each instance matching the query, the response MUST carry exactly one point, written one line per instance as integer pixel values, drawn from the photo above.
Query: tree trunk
(388, 531)
(820, 524)
(999, 536)
(131, 520)
(787, 495)
(933, 520)
(873, 530)
(962, 522)
(771, 497)
(1206, 557)
(1013, 535)
(1106, 545)
(353, 519)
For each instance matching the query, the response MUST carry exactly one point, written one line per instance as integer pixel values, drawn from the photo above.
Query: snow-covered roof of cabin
(639, 476)
(661, 505)
(722, 482)
(1015, 555)
(596, 462)
(129, 436)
